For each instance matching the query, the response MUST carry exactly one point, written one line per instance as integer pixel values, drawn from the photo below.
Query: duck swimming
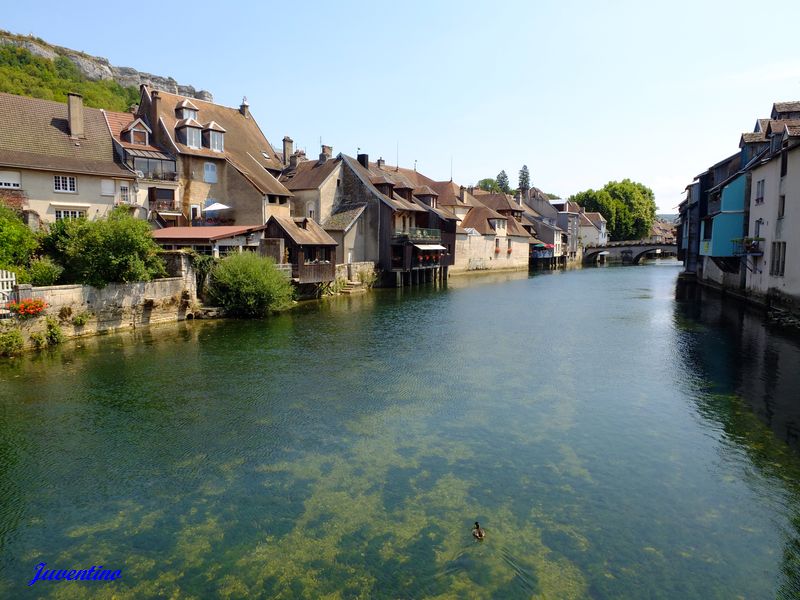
(478, 533)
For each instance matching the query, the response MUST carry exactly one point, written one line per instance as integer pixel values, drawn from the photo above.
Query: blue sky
(581, 92)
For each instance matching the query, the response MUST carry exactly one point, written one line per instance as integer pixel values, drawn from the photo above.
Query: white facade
(775, 217)
(56, 195)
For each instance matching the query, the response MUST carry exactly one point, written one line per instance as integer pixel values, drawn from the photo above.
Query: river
(612, 441)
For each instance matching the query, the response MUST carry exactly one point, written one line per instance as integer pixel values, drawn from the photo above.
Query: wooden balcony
(418, 234)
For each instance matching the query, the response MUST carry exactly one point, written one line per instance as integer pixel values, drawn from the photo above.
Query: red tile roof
(206, 234)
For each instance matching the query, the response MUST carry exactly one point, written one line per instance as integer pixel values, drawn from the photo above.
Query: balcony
(749, 246)
(418, 234)
(159, 176)
(165, 206)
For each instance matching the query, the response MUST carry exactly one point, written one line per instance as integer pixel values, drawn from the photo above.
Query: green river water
(613, 442)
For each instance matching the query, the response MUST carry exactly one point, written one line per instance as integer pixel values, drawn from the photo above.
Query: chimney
(288, 149)
(327, 152)
(381, 162)
(244, 108)
(295, 158)
(363, 160)
(461, 191)
(133, 109)
(75, 116)
(155, 108)
(519, 197)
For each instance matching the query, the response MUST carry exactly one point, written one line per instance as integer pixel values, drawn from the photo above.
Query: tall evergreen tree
(524, 179)
(502, 182)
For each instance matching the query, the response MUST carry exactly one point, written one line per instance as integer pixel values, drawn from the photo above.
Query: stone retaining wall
(114, 307)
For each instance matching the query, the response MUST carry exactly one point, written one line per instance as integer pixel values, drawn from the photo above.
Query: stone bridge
(629, 252)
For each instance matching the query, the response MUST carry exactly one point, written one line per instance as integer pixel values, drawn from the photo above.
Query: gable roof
(784, 107)
(585, 221)
(35, 134)
(309, 174)
(395, 202)
(303, 231)
(499, 202)
(449, 194)
(596, 218)
(478, 219)
(120, 122)
(245, 144)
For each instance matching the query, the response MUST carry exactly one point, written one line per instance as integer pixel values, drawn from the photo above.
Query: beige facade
(53, 195)
(778, 270)
(487, 252)
(318, 203)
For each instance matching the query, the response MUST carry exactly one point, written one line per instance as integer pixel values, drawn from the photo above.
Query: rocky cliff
(97, 67)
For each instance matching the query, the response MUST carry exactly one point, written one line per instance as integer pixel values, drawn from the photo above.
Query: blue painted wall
(733, 195)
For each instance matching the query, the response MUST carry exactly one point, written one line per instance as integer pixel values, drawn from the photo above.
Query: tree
(489, 185)
(524, 179)
(17, 241)
(248, 285)
(117, 249)
(502, 182)
(629, 208)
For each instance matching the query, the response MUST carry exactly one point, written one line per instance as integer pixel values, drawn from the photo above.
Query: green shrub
(43, 271)
(118, 249)
(53, 334)
(367, 277)
(80, 320)
(39, 340)
(248, 285)
(10, 342)
(17, 241)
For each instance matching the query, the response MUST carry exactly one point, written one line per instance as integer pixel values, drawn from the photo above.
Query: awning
(549, 246)
(216, 206)
(430, 247)
(70, 204)
(604, 253)
(539, 246)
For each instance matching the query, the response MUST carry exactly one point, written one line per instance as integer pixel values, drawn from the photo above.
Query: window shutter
(107, 187)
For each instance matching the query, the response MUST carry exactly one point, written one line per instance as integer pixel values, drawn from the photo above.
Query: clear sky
(581, 92)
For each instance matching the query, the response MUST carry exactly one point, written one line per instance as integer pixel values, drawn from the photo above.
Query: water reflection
(742, 371)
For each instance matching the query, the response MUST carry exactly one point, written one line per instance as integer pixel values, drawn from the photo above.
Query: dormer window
(186, 110)
(214, 136)
(192, 137)
(137, 133)
(216, 141)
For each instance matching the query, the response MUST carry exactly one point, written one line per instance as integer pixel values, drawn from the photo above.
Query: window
(192, 137)
(195, 211)
(210, 173)
(9, 179)
(496, 243)
(784, 161)
(139, 136)
(106, 187)
(781, 206)
(310, 210)
(509, 244)
(777, 263)
(70, 214)
(64, 183)
(217, 141)
(760, 191)
(189, 113)
(124, 194)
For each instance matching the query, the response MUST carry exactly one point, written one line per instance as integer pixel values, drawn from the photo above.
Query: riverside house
(57, 160)
(303, 244)
(223, 159)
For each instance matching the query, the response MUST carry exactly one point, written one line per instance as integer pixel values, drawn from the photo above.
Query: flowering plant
(509, 250)
(25, 309)
(497, 250)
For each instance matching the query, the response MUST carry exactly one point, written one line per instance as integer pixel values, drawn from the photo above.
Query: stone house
(222, 158)
(493, 241)
(57, 160)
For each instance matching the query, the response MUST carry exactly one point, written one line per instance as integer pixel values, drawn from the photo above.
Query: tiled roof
(449, 193)
(794, 130)
(596, 218)
(119, 122)
(478, 219)
(245, 144)
(499, 202)
(748, 138)
(395, 202)
(206, 234)
(343, 217)
(304, 231)
(425, 190)
(778, 126)
(513, 227)
(782, 107)
(309, 174)
(34, 133)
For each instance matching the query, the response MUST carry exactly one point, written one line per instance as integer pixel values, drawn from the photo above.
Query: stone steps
(353, 287)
